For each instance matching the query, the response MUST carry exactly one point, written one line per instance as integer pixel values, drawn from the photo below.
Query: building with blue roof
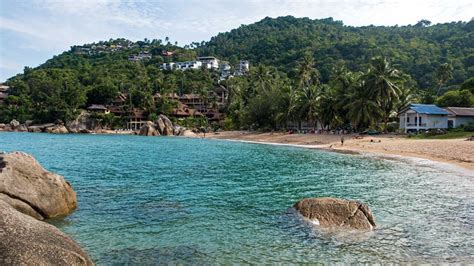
(418, 117)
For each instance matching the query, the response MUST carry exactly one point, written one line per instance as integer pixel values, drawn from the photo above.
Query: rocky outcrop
(56, 129)
(26, 241)
(14, 124)
(160, 125)
(29, 188)
(84, 123)
(148, 130)
(21, 128)
(336, 213)
(168, 129)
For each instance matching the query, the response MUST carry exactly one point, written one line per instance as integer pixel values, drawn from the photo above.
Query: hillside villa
(187, 105)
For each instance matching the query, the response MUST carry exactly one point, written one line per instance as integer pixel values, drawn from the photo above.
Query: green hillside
(418, 50)
(301, 69)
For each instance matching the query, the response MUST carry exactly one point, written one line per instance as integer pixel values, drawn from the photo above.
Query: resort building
(459, 116)
(98, 108)
(422, 117)
(3, 93)
(139, 57)
(136, 119)
(243, 68)
(209, 62)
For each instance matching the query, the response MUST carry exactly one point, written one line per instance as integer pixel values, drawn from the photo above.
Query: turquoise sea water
(155, 200)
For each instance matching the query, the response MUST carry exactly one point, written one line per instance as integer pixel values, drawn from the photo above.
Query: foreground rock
(335, 213)
(26, 241)
(32, 190)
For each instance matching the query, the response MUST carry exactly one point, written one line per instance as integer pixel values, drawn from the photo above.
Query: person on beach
(342, 140)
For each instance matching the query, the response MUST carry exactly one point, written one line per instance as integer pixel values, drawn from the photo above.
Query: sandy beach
(455, 151)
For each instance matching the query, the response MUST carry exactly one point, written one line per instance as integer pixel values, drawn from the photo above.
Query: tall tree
(443, 75)
(382, 82)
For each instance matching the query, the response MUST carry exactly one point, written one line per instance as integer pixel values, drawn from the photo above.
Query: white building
(459, 116)
(189, 65)
(423, 116)
(209, 62)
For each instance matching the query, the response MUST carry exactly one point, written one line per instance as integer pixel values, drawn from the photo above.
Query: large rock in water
(148, 130)
(29, 188)
(334, 213)
(26, 241)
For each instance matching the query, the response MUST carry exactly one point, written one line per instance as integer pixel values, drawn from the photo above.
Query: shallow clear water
(175, 200)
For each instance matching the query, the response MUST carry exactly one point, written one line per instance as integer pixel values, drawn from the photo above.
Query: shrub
(469, 127)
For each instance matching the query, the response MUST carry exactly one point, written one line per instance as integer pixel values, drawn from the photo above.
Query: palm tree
(405, 98)
(444, 74)
(308, 104)
(362, 111)
(307, 74)
(381, 82)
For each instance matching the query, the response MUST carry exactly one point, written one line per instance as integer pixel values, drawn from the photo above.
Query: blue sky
(32, 31)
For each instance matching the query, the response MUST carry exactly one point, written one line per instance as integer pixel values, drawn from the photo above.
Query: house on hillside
(422, 117)
(98, 108)
(459, 116)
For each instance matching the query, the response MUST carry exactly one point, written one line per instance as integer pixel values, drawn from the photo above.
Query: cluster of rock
(15, 126)
(162, 126)
(336, 213)
(85, 123)
(28, 195)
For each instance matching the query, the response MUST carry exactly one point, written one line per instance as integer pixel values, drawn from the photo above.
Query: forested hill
(417, 49)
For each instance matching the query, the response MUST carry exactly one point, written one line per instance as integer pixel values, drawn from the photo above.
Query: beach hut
(422, 117)
(459, 116)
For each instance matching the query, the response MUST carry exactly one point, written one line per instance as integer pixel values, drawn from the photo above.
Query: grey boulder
(336, 213)
(27, 241)
(31, 189)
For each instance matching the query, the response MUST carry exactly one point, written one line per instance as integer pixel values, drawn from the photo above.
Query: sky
(32, 31)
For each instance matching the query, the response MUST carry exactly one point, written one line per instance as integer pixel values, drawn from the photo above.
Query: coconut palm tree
(308, 103)
(362, 111)
(307, 74)
(382, 85)
(444, 74)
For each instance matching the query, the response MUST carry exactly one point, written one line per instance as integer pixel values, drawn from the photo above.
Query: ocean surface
(156, 200)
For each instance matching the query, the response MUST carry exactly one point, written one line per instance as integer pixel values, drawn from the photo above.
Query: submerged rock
(335, 213)
(26, 241)
(31, 189)
(148, 130)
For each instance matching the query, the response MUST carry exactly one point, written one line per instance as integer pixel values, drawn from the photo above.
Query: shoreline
(387, 147)
(378, 145)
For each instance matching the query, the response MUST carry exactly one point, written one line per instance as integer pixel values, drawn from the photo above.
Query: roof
(460, 111)
(220, 89)
(429, 109)
(97, 107)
